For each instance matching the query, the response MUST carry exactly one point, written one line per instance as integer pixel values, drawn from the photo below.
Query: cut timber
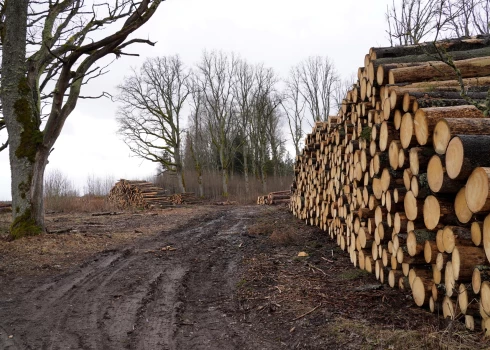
(382, 71)
(419, 159)
(413, 206)
(419, 186)
(470, 68)
(448, 308)
(435, 210)
(485, 298)
(439, 181)
(477, 233)
(464, 259)
(430, 251)
(466, 152)
(477, 190)
(469, 322)
(421, 291)
(449, 281)
(465, 296)
(486, 236)
(407, 132)
(426, 119)
(393, 153)
(393, 278)
(480, 275)
(448, 127)
(455, 234)
(472, 84)
(416, 240)
(463, 213)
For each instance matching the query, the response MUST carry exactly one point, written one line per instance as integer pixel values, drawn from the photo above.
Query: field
(201, 277)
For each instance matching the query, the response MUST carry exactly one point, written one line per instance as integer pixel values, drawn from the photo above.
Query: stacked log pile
(400, 178)
(185, 198)
(274, 198)
(138, 194)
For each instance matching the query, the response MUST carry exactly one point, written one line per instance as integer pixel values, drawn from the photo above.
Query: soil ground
(202, 277)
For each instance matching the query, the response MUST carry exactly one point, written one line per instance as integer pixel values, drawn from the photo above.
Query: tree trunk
(28, 156)
(179, 170)
(245, 168)
(224, 171)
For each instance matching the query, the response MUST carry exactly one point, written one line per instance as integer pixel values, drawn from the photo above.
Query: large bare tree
(196, 139)
(317, 77)
(294, 106)
(151, 113)
(243, 90)
(216, 71)
(263, 122)
(49, 50)
(412, 21)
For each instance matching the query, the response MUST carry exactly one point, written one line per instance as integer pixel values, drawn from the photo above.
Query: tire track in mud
(140, 298)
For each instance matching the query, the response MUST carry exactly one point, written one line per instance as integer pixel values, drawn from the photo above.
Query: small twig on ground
(307, 313)
(327, 260)
(316, 268)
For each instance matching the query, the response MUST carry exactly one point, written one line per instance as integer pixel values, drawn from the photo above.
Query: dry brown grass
(85, 204)
(236, 186)
(453, 337)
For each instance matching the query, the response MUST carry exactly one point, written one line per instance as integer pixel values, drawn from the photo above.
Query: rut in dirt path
(142, 297)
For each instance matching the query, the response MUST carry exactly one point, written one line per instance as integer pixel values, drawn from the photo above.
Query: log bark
(465, 258)
(428, 48)
(470, 68)
(419, 159)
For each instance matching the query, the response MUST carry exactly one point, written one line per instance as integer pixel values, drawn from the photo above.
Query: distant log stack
(138, 194)
(400, 178)
(274, 198)
(185, 198)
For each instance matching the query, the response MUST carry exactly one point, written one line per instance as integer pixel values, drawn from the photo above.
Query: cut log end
(432, 212)
(454, 157)
(477, 189)
(463, 213)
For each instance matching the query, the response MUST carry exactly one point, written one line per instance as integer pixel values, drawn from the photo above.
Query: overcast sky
(279, 33)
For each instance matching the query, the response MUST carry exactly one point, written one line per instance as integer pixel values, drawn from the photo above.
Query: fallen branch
(60, 231)
(107, 213)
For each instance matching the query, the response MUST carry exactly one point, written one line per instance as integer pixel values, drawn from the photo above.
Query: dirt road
(139, 298)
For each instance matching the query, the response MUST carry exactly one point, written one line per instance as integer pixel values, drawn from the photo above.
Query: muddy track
(142, 297)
